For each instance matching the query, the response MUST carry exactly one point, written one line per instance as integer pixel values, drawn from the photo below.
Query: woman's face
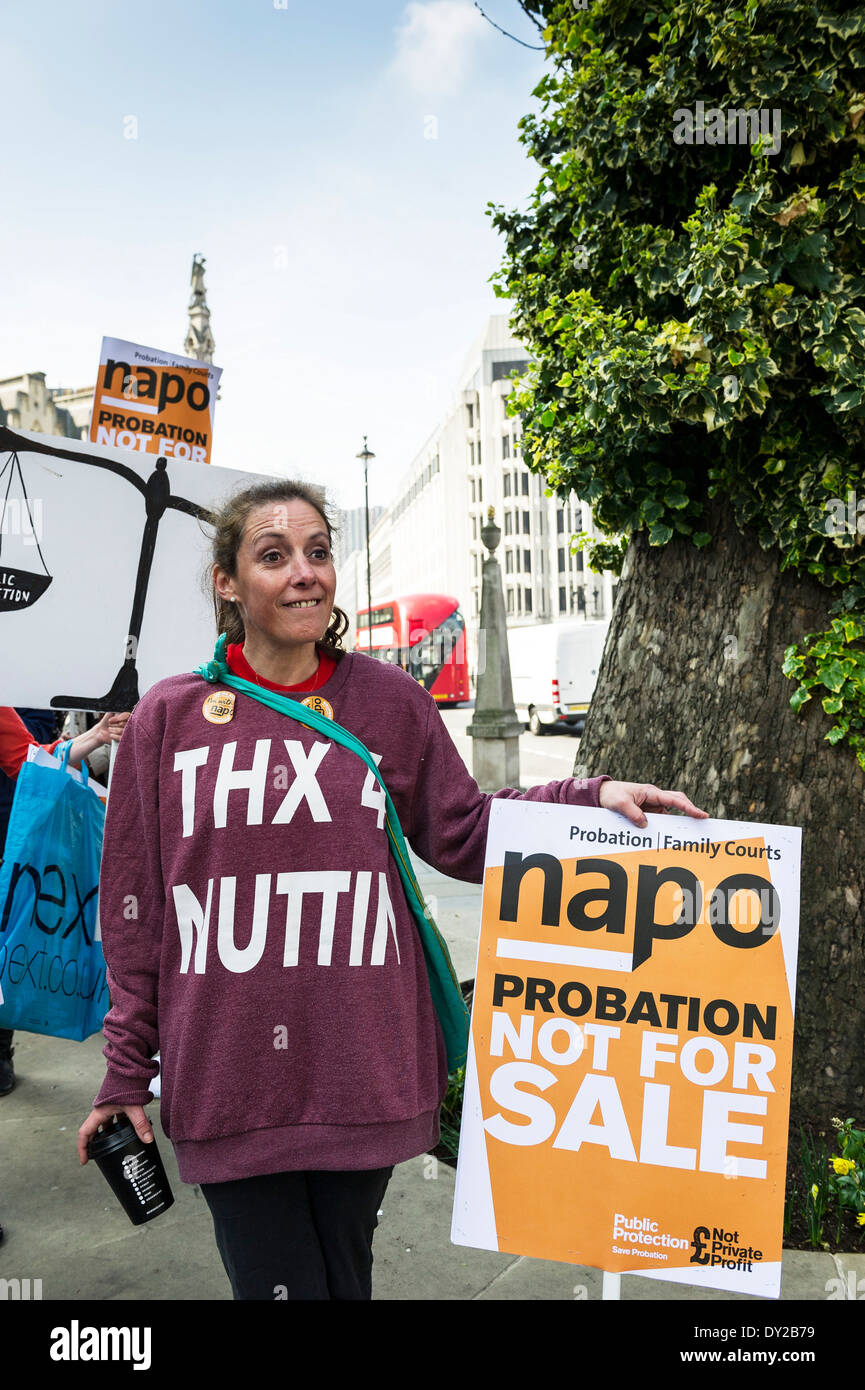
(285, 581)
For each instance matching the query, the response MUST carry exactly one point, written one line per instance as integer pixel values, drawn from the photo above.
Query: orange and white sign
(154, 402)
(628, 1082)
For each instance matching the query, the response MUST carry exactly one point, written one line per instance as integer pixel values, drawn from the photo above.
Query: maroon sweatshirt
(255, 927)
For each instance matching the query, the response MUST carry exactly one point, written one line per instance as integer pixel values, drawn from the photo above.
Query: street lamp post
(366, 455)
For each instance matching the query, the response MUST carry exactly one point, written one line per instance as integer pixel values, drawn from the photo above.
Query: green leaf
(833, 676)
(660, 534)
(755, 276)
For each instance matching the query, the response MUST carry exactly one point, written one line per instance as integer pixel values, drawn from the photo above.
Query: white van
(554, 667)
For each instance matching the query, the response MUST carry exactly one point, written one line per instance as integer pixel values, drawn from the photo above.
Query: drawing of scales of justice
(21, 588)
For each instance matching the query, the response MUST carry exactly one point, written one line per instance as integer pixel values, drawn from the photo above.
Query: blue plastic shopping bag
(52, 971)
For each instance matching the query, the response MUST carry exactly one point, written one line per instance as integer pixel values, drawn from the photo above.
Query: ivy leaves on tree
(696, 312)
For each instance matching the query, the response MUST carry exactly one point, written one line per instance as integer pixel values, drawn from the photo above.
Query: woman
(301, 1057)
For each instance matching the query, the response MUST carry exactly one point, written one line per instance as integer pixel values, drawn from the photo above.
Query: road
(549, 758)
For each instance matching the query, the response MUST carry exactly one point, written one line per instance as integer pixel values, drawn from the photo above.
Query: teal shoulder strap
(216, 671)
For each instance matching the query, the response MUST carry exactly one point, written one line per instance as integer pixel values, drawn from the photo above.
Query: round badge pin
(321, 706)
(218, 708)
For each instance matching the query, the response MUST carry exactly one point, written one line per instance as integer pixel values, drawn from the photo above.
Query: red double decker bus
(425, 634)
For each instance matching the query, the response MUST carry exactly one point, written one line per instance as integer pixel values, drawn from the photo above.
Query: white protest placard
(628, 1080)
(104, 557)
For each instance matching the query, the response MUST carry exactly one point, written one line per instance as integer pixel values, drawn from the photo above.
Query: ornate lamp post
(495, 727)
(366, 455)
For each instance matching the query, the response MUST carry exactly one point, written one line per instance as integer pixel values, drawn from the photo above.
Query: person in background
(98, 760)
(19, 730)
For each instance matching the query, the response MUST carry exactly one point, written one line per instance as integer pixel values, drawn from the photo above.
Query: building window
(509, 562)
(477, 601)
(474, 528)
(527, 524)
(560, 521)
(519, 600)
(510, 600)
(507, 484)
(472, 487)
(518, 562)
(480, 487)
(527, 562)
(579, 562)
(563, 600)
(471, 454)
(470, 410)
(506, 446)
(562, 565)
(528, 600)
(479, 452)
(525, 484)
(509, 525)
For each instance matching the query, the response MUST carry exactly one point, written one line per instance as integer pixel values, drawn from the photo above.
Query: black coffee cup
(133, 1169)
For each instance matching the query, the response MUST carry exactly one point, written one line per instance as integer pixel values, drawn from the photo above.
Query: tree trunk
(690, 695)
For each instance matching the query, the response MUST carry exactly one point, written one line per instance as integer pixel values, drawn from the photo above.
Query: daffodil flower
(843, 1166)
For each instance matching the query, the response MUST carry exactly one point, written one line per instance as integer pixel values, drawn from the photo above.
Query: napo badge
(321, 706)
(219, 707)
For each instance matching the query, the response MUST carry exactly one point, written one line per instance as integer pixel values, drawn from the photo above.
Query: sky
(332, 163)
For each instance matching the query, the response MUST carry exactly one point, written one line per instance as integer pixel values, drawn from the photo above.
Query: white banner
(103, 555)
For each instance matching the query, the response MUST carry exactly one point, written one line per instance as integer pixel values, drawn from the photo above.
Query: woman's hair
(229, 522)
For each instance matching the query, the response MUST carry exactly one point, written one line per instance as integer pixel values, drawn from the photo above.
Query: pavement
(64, 1227)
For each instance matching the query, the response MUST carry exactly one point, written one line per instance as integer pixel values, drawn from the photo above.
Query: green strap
(217, 672)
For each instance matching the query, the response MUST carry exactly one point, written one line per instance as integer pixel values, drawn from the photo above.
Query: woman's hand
(103, 1113)
(631, 799)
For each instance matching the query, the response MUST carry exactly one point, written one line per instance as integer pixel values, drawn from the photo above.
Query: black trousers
(298, 1235)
